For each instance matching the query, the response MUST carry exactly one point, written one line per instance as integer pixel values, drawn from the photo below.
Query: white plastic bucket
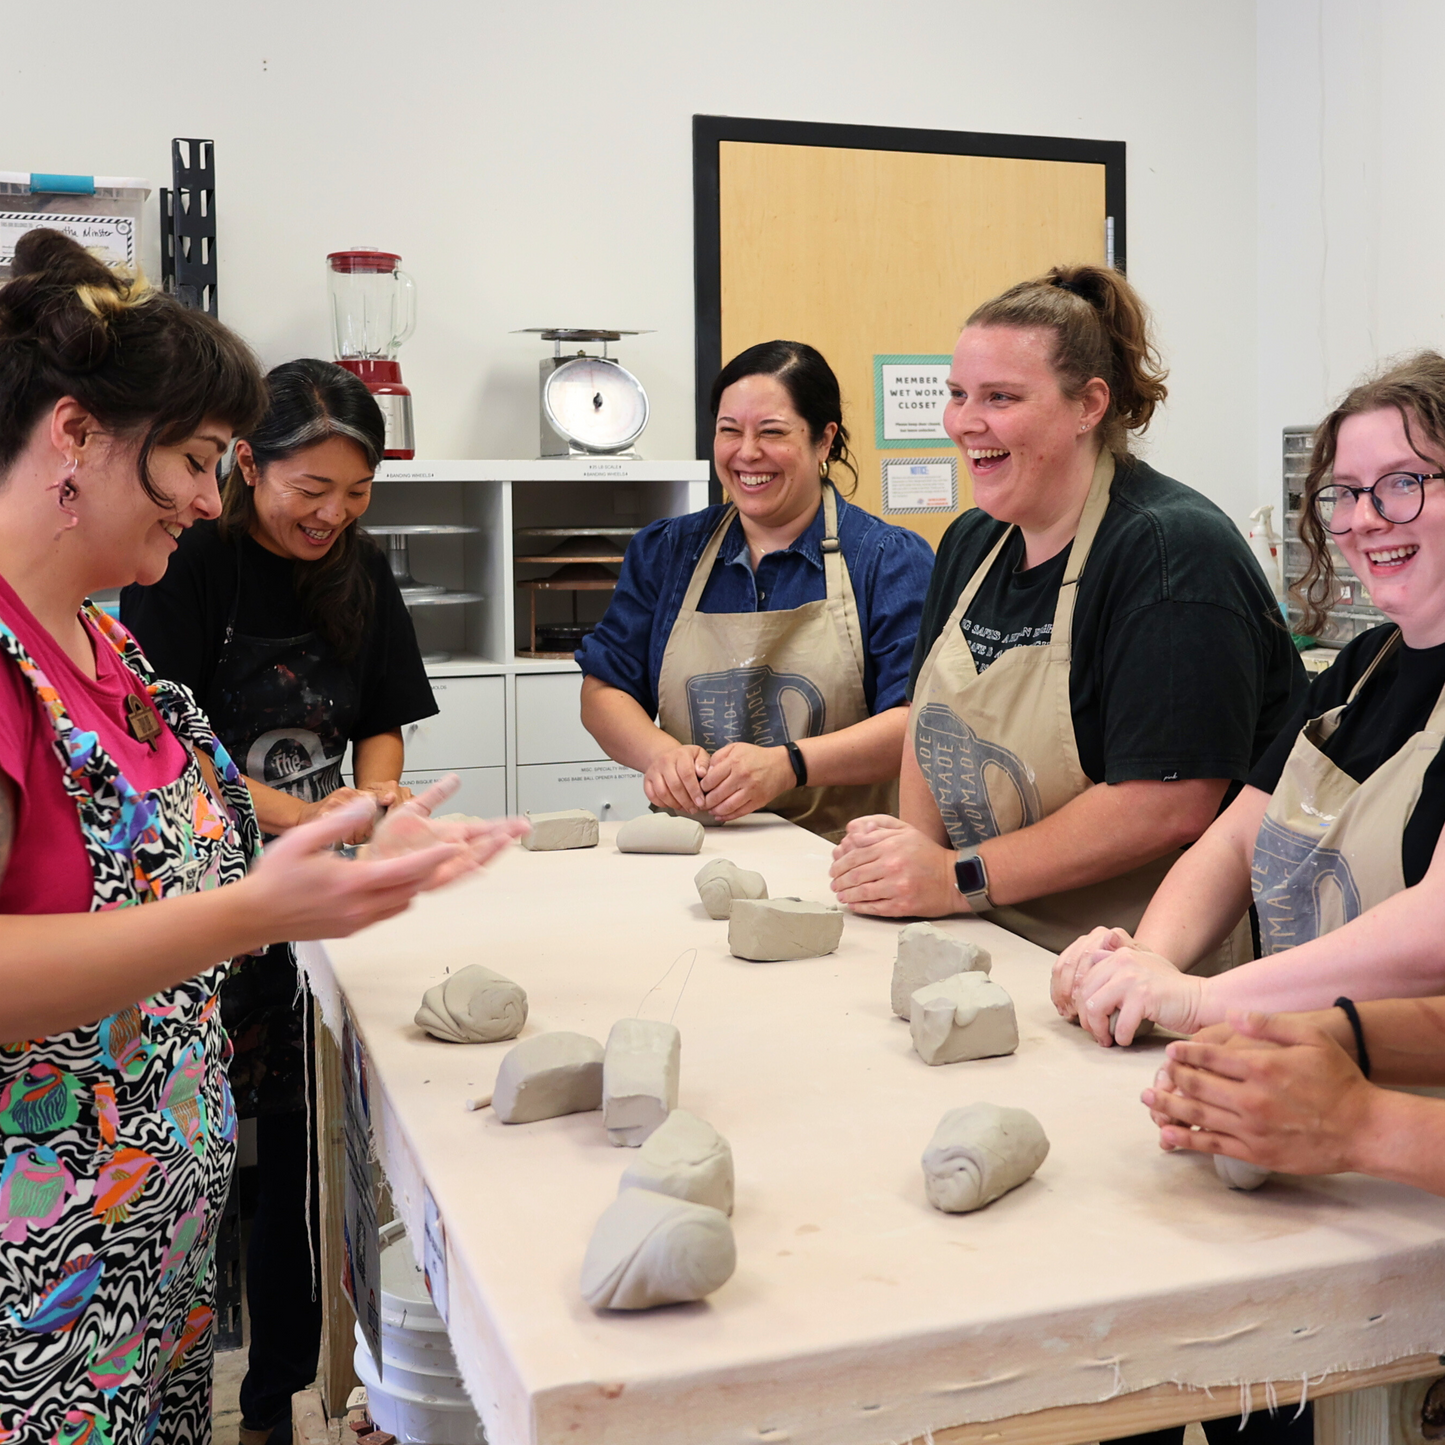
(434, 1375)
(404, 1293)
(416, 1419)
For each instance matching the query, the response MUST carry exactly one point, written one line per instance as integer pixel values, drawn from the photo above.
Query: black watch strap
(799, 762)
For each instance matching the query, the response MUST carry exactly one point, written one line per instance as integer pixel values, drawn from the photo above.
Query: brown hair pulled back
(1101, 328)
(148, 369)
(1414, 387)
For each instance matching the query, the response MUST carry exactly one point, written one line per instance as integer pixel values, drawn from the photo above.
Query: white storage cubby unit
(509, 725)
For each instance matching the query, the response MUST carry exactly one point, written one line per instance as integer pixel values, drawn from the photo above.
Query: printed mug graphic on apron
(751, 705)
(1301, 890)
(967, 773)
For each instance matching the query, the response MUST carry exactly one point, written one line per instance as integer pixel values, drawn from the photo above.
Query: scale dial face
(595, 404)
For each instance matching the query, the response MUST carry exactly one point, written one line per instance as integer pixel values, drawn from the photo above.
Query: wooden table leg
(1382, 1415)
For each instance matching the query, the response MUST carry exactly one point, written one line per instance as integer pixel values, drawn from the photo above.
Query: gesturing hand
(409, 828)
(885, 866)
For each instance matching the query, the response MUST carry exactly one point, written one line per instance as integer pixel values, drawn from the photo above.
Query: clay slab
(651, 1249)
(473, 1006)
(639, 1079)
(771, 930)
(686, 1158)
(549, 1075)
(659, 833)
(720, 882)
(967, 1016)
(571, 828)
(978, 1153)
(927, 954)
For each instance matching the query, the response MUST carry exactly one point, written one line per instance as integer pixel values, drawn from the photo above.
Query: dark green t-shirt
(1182, 667)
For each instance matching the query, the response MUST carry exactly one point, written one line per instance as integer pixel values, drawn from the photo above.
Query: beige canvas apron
(998, 751)
(770, 678)
(1329, 847)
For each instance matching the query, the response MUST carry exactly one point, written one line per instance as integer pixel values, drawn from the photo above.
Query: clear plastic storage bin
(103, 213)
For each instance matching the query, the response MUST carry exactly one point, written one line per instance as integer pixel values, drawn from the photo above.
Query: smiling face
(770, 466)
(1022, 438)
(1402, 563)
(304, 502)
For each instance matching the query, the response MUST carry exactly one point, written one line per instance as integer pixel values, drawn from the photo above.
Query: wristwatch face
(970, 875)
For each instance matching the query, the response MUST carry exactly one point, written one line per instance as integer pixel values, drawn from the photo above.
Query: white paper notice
(111, 238)
(914, 484)
(434, 1256)
(913, 396)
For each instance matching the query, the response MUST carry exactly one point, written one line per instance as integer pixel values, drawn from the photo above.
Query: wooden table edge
(1162, 1405)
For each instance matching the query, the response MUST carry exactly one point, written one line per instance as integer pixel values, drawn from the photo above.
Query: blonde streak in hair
(129, 289)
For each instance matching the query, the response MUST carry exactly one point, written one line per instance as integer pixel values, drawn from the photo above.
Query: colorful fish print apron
(117, 1139)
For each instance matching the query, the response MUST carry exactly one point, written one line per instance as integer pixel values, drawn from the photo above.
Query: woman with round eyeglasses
(1336, 839)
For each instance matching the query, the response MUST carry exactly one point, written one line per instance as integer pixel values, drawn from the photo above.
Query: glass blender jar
(373, 310)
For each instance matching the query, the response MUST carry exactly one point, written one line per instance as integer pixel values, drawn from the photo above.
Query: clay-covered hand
(303, 889)
(887, 867)
(1136, 985)
(743, 778)
(1074, 961)
(334, 802)
(674, 779)
(410, 827)
(1281, 1094)
(388, 794)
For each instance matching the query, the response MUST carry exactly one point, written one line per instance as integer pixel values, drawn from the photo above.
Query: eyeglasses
(1398, 497)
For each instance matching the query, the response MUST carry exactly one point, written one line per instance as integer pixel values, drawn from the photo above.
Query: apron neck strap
(1387, 649)
(1095, 505)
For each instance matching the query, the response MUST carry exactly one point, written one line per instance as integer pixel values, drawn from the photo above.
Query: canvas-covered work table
(858, 1314)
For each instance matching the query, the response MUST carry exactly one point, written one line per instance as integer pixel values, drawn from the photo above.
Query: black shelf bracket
(188, 226)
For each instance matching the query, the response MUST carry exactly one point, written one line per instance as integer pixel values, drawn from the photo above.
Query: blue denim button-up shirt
(889, 567)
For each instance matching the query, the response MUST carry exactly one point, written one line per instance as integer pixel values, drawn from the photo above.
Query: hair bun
(61, 260)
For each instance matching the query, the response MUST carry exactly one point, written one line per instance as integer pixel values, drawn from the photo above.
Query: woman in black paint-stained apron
(1336, 837)
(286, 623)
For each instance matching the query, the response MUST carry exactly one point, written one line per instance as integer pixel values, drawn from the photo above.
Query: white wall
(532, 162)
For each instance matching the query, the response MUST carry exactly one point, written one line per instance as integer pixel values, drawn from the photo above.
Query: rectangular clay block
(927, 954)
(770, 930)
(659, 833)
(572, 828)
(548, 1075)
(639, 1079)
(967, 1016)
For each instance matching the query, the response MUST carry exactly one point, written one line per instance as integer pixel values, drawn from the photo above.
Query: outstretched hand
(410, 827)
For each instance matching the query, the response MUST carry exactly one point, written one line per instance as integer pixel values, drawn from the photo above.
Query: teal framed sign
(909, 394)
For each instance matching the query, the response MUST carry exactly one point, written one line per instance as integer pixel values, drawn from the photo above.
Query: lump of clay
(967, 1016)
(978, 1153)
(686, 1158)
(549, 1075)
(720, 882)
(927, 954)
(769, 930)
(658, 833)
(573, 828)
(651, 1249)
(1237, 1174)
(639, 1079)
(473, 1006)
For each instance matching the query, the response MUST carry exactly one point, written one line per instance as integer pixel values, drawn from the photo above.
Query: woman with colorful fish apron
(127, 864)
(1101, 659)
(1337, 836)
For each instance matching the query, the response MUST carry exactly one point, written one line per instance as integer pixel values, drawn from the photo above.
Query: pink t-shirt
(49, 871)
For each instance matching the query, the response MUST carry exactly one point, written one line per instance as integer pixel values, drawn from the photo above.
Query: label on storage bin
(434, 1255)
(110, 238)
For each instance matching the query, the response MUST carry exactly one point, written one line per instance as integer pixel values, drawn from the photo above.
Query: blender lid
(363, 259)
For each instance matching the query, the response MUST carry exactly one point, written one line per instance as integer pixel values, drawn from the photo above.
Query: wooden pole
(337, 1378)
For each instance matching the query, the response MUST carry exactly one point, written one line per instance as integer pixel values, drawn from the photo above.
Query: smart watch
(971, 879)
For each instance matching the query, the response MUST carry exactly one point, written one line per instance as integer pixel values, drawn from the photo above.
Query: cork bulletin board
(873, 244)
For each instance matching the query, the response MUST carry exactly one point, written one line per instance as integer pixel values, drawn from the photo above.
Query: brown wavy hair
(144, 366)
(1414, 387)
(1101, 328)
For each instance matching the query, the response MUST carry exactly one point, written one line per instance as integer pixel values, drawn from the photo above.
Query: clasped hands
(1111, 985)
(736, 780)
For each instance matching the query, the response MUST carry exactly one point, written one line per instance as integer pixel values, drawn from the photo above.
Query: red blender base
(383, 381)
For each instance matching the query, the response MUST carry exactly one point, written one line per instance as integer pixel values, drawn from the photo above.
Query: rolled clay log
(572, 828)
(927, 954)
(770, 930)
(978, 1153)
(1239, 1175)
(651, 1249)
(473, 1006)
(639, 1079)
(720, 882)
(686, 1158)
(546, 1076)
(658, 833)
(967, 1016)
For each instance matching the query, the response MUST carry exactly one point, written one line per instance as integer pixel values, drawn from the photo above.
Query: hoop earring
(823, 470)
(65, 491)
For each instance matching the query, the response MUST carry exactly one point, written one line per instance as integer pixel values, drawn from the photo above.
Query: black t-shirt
(1181, 667)
(180, 623)
(1390, 709)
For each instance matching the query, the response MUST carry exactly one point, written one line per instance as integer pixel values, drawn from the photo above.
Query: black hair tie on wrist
(800, 765)
(1353, 1014)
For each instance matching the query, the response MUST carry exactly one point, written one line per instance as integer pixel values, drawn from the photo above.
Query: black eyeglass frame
(1419, 478)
